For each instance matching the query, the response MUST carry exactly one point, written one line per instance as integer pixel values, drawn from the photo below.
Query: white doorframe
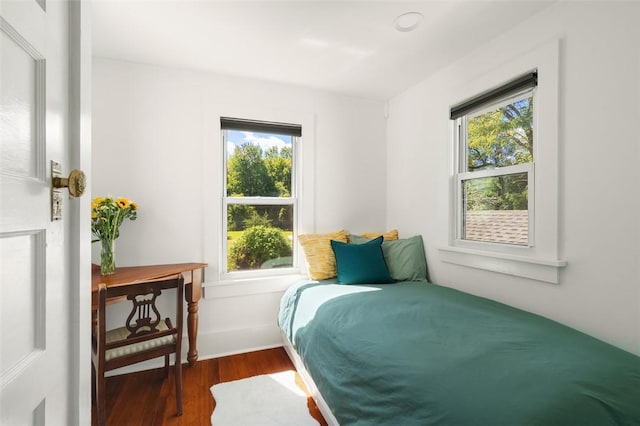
(79, 208)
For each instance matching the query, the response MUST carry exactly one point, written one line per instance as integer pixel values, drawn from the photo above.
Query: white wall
(599, 291)
(149, 140)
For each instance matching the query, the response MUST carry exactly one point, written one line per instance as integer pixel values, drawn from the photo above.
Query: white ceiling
(349, 47)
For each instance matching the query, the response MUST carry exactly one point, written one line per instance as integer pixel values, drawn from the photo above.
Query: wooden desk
(193, 274)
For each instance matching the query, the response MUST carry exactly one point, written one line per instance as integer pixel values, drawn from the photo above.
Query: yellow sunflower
(123, 203)
(96, 202)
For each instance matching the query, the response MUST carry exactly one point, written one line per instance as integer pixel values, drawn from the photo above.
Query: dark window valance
(526, 81)
(228, 123)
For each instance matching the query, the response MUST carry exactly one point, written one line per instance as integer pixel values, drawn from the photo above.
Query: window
(494, 179)
(504, 177)
(260, 196)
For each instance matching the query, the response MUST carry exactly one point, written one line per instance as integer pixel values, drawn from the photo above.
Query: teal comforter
(415, 353)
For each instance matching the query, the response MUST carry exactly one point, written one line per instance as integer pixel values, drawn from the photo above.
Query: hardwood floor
(145, 399)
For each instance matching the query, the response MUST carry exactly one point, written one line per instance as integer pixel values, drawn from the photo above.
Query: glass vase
(107, 257)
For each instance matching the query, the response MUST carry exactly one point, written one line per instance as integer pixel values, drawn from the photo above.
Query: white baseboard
(217, 343)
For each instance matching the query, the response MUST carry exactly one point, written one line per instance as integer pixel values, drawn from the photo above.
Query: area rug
(267, 400)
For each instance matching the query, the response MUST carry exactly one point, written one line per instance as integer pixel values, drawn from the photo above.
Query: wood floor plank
(147, 399)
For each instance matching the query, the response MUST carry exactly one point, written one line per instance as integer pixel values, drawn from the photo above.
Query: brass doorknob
(76, 182)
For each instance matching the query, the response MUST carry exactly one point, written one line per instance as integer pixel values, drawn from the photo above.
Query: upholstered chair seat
(121, 334)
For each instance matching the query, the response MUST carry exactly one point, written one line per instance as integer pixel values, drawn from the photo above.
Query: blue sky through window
(264, 140)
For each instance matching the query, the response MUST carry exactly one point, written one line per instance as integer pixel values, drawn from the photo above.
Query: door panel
(34, 284)
(22, 81)
(22, 255)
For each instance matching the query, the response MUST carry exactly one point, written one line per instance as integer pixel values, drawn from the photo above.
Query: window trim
(215, 286)
(542, 261)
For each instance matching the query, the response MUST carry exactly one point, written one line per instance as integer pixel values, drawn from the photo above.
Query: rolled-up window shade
(228, 123)
(526, 81)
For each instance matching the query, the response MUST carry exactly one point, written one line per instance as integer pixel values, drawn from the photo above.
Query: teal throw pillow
(361, 263)
(405, 258)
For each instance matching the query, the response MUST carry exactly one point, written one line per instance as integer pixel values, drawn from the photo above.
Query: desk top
(132, 274)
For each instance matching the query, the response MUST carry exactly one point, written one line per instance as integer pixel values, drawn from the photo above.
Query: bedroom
(354, 143)
(365, 150)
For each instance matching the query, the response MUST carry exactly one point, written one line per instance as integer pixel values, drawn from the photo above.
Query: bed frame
(308, 381)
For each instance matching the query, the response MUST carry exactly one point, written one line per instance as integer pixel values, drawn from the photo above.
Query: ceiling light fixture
(408, 21)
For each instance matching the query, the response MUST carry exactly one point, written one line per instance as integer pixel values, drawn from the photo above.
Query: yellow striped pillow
(388, 236)
(321, 262)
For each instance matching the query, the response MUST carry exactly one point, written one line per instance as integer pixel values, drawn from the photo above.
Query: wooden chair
(144, 336)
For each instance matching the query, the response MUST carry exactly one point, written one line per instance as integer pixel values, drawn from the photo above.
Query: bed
(416, 353)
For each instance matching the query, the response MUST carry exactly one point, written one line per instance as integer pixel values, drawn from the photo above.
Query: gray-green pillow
(405, 258)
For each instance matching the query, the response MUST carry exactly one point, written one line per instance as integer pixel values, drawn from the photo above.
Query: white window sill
(250, 286)
(537, 269)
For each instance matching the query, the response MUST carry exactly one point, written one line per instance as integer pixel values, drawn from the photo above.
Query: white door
(35, 292)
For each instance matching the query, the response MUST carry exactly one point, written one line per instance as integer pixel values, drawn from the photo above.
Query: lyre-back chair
(144, 336)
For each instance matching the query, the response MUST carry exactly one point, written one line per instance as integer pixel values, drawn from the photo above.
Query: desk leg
(192, 329)
(192, 295)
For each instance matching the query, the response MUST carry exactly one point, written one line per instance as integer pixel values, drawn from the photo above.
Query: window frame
(462, 173)
(229, 276)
